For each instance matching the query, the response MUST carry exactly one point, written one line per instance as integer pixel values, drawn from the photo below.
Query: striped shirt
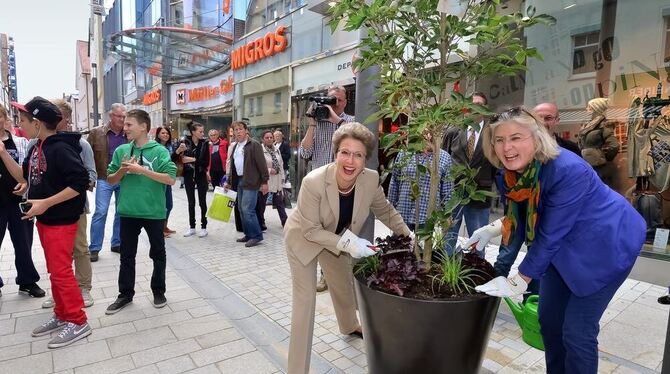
(321, 151)
(404, 173)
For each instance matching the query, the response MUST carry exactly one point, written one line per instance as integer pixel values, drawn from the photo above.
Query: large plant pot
(424, 336)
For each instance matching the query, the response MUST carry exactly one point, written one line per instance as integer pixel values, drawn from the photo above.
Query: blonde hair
(354, 130)
(3, 112)
(64, 107)
(546, 147)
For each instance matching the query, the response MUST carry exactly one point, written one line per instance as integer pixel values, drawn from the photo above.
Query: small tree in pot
(428, 53)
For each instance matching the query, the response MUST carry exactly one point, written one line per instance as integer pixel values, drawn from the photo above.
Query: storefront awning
(171, 52)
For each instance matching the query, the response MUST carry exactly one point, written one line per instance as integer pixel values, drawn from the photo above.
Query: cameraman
(318, 141)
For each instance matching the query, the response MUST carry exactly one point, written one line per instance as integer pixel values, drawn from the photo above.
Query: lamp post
(75, 100)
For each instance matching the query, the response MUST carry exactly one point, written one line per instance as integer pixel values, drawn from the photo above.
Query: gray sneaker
(47, 327)
(86, 295)
(70, 334)
(48, 303)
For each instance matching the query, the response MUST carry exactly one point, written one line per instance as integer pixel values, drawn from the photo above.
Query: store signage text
(151, 97)
(204, 93)
(263, 47)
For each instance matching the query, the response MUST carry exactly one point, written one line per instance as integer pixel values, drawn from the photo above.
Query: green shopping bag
(222, 204)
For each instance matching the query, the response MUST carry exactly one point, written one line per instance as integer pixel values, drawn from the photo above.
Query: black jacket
(7, 182)
(51, 166)
(285, 151)
(200, 153)
(569, 145)
(456, 144)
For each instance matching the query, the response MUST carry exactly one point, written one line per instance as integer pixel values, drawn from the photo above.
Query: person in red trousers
(56, 182)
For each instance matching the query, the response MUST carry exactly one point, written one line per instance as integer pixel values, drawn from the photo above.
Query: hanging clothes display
(659, 151)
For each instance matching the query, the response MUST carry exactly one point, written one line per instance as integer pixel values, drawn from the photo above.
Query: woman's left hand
(505, 287)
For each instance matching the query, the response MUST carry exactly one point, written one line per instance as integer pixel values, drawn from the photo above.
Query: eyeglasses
(344, 153)
(509, 114)
(513, 140)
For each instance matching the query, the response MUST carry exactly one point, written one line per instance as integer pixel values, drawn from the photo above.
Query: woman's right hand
(355, 246)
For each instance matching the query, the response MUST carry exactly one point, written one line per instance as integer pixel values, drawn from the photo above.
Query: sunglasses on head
(509, 114)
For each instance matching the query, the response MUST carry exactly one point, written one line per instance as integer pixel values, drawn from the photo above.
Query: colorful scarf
(522, 187)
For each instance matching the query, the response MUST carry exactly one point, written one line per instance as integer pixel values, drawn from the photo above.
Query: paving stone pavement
(229, 311)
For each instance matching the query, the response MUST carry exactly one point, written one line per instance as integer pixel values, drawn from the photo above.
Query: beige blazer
(311, 226)
(276, 181)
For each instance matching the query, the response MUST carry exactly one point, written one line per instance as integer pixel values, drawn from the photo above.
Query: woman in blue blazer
(583, 238)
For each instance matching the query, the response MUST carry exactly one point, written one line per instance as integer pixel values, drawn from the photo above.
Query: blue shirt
(400, 188)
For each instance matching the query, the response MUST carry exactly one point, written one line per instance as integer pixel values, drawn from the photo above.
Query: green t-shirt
(139, 195)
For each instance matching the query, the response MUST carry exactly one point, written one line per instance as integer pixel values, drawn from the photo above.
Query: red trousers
(58, 243)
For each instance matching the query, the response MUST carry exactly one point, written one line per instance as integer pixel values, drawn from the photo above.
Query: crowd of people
(46, 171)
(44, 183)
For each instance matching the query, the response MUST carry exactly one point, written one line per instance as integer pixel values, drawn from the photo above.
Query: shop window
(277, 102)
(251, 107)
(667, 40)
(259, 105)
(584, 52)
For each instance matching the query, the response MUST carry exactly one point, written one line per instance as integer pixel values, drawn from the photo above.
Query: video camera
(320, 111)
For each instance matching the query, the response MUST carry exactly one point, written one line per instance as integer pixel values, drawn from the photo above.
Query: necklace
(347, 192)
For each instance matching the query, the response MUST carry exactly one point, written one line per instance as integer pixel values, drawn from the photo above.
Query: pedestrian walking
(193, 152)
(275, 182)
(218, 155)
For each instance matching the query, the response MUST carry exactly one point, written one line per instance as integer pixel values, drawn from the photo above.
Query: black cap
(41, 109)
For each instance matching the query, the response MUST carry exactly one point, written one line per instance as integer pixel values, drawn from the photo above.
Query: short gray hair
(117, 106)
(546, 147)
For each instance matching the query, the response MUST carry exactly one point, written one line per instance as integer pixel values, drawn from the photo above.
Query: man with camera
(326, 114)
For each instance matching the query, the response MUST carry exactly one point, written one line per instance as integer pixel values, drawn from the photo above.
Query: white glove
(483, 235)
(504, 287)
(355, 246)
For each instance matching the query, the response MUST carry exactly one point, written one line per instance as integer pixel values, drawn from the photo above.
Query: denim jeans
(103, 196)
(169, 203)
(246, 201)
(474, 219)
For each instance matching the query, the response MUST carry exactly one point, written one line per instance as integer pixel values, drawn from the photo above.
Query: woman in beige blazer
(333, 203)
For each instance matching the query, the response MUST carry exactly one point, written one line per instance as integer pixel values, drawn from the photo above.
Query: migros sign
(258, 49)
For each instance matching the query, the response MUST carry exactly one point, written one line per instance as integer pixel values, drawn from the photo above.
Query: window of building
(277, 102)
(177, 13)
(584, 52)
(259, 105)
(251, 107)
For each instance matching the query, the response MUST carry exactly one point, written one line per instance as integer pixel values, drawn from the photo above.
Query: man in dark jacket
(465, 148)
(56, 188)
(249, 167)
(548, 113)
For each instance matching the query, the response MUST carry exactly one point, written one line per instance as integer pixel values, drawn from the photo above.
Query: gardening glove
(504, 287)
(355, 246)
(483, 235)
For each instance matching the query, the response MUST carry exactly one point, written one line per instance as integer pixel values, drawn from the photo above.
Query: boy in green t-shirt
(143, 168)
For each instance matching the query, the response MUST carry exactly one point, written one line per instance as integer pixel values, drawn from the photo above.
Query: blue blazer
(587, 231)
